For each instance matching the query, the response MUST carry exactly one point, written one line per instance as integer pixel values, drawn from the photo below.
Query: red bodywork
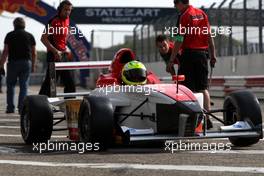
(114, 78)
(184, 94)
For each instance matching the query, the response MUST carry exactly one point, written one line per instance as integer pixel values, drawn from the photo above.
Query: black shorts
(194, 65)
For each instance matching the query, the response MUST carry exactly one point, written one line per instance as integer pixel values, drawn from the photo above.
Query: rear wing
(53, 66)
(82, 65)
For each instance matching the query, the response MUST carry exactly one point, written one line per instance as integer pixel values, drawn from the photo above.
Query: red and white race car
(113, 113)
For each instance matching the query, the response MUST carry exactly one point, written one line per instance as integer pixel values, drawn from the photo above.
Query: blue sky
(36, 28)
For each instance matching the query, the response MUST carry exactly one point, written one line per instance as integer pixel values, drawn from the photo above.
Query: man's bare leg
(207, 104)
(206, 96)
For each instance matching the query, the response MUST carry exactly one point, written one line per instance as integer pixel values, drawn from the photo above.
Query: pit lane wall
(230, 73)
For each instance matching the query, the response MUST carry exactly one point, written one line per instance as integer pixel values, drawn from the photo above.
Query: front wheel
(36, 119)
(96, 121)
(243, 105)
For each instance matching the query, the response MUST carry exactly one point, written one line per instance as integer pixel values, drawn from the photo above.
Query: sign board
(134, 15)
(119, 15)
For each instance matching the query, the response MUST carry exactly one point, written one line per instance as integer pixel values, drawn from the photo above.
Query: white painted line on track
(19, 135)
(18, 127)
(138, 166)
(9, 120)
(6, 150)
(10, 135)
(10, 127)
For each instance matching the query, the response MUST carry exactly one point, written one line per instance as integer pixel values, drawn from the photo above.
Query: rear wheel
(243, 105)
(96, 122)
(36, 119)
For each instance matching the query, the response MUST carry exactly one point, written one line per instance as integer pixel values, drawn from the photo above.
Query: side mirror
(179, 78)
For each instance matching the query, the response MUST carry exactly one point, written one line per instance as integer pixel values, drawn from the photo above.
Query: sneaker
(239, 125)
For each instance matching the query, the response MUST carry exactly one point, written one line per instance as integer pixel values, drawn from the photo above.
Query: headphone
(64, 2)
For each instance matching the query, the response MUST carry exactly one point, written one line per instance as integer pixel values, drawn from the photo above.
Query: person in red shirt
(165, 47)
(54, 38)
(195, 41)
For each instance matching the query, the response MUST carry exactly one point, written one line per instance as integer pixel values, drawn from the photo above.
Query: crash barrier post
(223, 85)
(72, 111)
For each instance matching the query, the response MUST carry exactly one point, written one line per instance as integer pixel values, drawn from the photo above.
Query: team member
(21, 52)
(165, 49)
(195, 40)
(55, 41)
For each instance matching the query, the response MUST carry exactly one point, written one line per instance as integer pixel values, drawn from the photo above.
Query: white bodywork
(200, 99)
(127, 99)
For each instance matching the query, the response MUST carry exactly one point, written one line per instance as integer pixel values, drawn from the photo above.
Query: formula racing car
(114, 113)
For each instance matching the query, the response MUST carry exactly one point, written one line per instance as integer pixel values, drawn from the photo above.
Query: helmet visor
(136, 75)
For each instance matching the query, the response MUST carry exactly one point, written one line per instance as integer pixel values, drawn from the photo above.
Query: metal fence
(243, 40)
(107, 42)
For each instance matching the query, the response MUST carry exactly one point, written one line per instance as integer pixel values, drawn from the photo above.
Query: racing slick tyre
(36, 119)
(242, 105)
(96, 121)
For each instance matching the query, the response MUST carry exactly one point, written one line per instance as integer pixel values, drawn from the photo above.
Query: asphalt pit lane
(7, 150)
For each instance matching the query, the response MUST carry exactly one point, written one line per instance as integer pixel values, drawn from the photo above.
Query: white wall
(226, 66)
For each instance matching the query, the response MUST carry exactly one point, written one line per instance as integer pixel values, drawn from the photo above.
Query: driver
(134, 73)
(121, 58)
